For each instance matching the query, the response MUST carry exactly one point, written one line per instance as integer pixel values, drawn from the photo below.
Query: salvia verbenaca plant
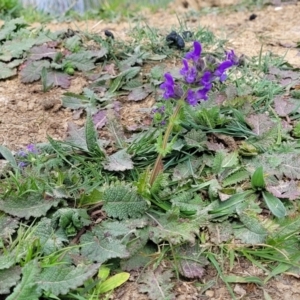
(197, 78)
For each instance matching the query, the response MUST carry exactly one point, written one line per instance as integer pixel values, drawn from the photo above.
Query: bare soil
(27, 115)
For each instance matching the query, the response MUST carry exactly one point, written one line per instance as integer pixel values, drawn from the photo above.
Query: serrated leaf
(81, 61)
(17, 46)
(195, 138)
(60, 279)
(186, 169)
(97, 247)
(9, 278)
(249, 237)
(122, 202)
(252, 223)
(72, 42)
(157, 72)
(10, 26)
(7, 261)
(49, 239)
(28, 205)
(285, 189)
(119, 161)
(6, 72)
(173, 231)
(235, 178)
(157, 284)
(76, 136)
(33, 70)
(274, 204)
(230, 160)
(39, 52)
(27, 288)
(139, 93)
(56, 78)
(74, 101)
(91, 135)
(260, 123)
(8, 226)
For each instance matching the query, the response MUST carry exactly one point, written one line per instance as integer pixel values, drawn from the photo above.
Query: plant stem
(158, 166)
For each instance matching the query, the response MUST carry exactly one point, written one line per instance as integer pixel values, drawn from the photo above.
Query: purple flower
(230, 55)
(31, 148)
(191, 98)
(185, 68)
(21, 153)
(221, 69)
(207, 79)
(168, 86)
(22, 164)
(202, 94)
(196, 53)
(191, 75)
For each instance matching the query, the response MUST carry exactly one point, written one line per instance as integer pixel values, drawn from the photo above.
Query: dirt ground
(27, 115)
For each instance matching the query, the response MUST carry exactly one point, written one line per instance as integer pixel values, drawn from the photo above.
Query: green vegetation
(77, 215)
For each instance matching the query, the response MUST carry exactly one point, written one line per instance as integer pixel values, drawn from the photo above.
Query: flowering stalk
(158, 166)
(198, 76)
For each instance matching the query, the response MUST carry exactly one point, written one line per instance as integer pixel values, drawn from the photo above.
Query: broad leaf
(33, 70)
(119, 161)
(6, 153)
(275, 205)
(123, 202)
(76, 136)
(55, 78)
(140, 93)
(97, 247)
(81, 61)
(8, 226)
(6, 72)
(9, 278)
(285, 189)
(28, 205)
(60, 279)
(157, 284)
(260, 123)
(27, 288)
(39, 52)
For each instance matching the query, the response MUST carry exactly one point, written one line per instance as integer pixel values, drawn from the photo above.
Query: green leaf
(157, 284)
(7, 261)
(274, 204)
(8, 156)
(230, 160)
(241, 279)
(113, 282)
(27, 288)
(8, 226)
(173, 231)
(249, 237)
(49, 239)
(60, 279)
(81, 61)
(9, 278)
(97, 247)
(6, 72)
(122, 202)
(195, 138)
(91, 135)
(26, 206)
(119, 161)
(236, 177)
(257, 179)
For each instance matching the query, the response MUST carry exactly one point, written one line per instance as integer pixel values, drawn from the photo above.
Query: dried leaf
(285, 106)
(285, 189)
(140, 93)
(100, 119)
(260, 123)
(119, 161)
(55, 78)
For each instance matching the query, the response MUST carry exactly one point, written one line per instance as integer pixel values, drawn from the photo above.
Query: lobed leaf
(9, 278)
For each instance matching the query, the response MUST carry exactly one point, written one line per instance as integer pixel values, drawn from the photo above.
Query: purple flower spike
(230, 55)
(196, 53)
(207, 79)
(31, 148)
(185, 68)
(168, 86)
(202, 94)
(221, 69)
(191, 98)
(191, 75)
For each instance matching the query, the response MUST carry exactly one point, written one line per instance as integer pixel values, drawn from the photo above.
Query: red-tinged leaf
(285, 106)
(55, 78)
(39, 52)
(285, 189)
(100, 119)
(191, 269)
(32, 70)
(260, 123)
(140, 93)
